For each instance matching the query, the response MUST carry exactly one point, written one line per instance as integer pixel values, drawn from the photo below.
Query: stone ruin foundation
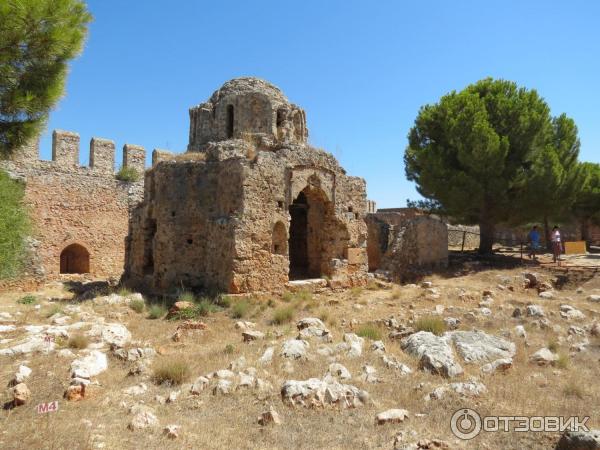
(404, 243)
(250, 205)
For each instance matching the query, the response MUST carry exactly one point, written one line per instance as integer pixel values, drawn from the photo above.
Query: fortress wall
(73, 204)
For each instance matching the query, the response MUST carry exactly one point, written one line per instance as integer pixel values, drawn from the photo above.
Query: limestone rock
(199, 385)
(22, 373)
(477, 346)
(114, 334)
(498, 365)
(21, 394)
(252, 335)
(143, 419)
(543, 357)
(269, 416)
(569, 313)
(90, 365)
(579, 440)
(318, 393)
(391, 416)
(434, 353)
(339, 371)
(172, 431)
(223, 387)
(378, 347)
(267, 356)
(138, 389)
(353, 345)
(594, 298)
(294, 348)
(548, 295)
(392, 363)
(535, 311)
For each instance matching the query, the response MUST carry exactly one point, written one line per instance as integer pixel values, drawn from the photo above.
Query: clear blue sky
(360, 69)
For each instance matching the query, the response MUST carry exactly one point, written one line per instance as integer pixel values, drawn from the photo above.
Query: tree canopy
(587, 202)
(477, 151)
(38, 38)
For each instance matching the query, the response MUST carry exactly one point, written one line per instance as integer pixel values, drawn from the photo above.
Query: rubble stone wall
(70, 204)
(405, 245)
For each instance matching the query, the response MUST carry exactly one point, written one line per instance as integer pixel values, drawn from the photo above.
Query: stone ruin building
(404, 243)
(79, 214)
(250, 205)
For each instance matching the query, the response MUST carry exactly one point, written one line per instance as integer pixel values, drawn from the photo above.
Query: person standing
(556, 244)
(534, 241)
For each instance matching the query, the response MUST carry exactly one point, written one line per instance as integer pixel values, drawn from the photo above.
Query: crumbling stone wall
(70, 204)
(406, 244)
(250, 205)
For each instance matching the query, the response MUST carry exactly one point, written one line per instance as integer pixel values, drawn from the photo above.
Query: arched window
(75, 259)
(230, 121)
(280, 240)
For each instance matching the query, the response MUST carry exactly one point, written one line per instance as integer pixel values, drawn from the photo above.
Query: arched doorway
(311, 215)
(75, 259)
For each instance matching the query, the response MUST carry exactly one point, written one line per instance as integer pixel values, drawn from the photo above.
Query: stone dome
(248, 85)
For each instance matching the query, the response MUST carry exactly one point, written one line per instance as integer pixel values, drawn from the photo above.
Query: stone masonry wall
(70, 204)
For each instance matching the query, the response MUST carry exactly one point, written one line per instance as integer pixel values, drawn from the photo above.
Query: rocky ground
(381, 367)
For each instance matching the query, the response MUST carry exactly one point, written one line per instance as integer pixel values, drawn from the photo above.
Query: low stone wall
(406, 245)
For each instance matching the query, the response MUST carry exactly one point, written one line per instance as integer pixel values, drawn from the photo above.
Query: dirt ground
(100, 420)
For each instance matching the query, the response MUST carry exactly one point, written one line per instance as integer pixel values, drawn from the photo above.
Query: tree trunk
(486, 236)
(547, 234)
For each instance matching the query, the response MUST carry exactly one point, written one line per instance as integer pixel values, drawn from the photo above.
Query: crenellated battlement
(65, 154)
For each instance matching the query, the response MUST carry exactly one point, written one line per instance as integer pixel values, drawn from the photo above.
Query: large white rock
(314, 392)
(89, 366)
(352, 345)
(477, 346)
(294, 348)
(535, 311)
(339, 371)
(111, 333)
(391, 416)
(22, 374)
(267, 356)
(434, 353)
(569, 313)
(30, 344)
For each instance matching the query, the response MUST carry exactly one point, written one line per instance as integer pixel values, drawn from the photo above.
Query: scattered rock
(294, 348)
(499, 365)
(113, 334)
(477, 346)
(594, 298)
(268, 417)
(339, 371)
(547, 295)
(21, 394)
(22, 373)
(318, 393)
(543, 357)
(535, 311)
(251, 335)
(178, 307)
(172, 431)
(520, 331)
(378, 347)
(393, 363)
(579, 440)
(391, 416)
(143, 419)
(138, 389)
(75, 392)
(89, 366)
(434, 353)
(223, 387)
(199, 385)
(267, 356)
(569, 313)
(352, 345)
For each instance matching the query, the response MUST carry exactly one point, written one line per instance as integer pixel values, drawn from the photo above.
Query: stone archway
(310, 235)
(75, 259)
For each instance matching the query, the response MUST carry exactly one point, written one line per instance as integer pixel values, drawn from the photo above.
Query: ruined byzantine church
(249, 206)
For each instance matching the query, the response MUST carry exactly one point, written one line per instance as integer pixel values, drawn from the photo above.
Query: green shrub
(203, 308)
(369, 331)
(128, 174)
(229, 349)
(171, 371)
(240, 309)
(574, 390)
(157, 311)
(186, 296)
(284, 314)
(137, 305)
(224, 301)
(78, 341)
(15, 226)
(27, 300)
(123, 292)
(433, 324)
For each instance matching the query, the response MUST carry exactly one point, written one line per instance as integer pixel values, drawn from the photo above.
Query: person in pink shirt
(555, 237)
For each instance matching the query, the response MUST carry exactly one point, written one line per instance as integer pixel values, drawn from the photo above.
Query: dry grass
(157, 311)
(171, 371)
(433, 324)
(78, 341)
(240, 309)
(370, 331)
(523, 390)
(137, 305)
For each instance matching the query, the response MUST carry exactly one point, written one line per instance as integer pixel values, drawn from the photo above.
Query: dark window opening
(172, 213)
(75, 259)
(356, 216)
(190, 241)
(149, 232)
(298, 243)
(280, 204)
(280, 117)
(230, 119)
